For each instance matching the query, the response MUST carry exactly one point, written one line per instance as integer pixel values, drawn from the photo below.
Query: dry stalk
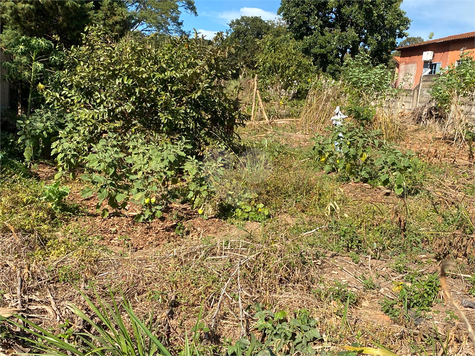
(220, 301)
(443, 283)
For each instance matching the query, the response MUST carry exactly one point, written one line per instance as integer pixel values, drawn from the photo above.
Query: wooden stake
(254, 98)
(262, 106)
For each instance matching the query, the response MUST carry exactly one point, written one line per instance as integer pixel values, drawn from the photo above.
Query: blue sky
(442, 17)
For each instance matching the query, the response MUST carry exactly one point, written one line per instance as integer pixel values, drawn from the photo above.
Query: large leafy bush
(359, 154)
(367, 86)
(137, 110)
(282, 64)
(454, 83)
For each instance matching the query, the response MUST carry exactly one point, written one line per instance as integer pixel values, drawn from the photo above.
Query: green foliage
(329, 30)
(136, 111)
(61, 21)
(454, 83)
(418, 295)
(280, 335)
(368, 282)
(338, 292)
(471, 289)
(21, 205)
(358, 154)
(162, 16)
(109, 333)
(38, 132)
(244, 34)
(251, 211)
(55, 195)
(281, 64)
(365, 81)
(31, 59)
(410, 41)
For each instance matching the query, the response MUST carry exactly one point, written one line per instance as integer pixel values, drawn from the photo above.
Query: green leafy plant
(252, 212)
(109, 333)
(359, 154)
(283, 66)
(454, 83)
(366, 83)
(418, 295)
(55, 195)
(280, 335)
(136, 111)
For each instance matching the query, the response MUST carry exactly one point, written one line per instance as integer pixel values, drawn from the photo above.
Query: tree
(161, 16)
(64, 21)
(282, 64)
(408, 41)
(331, 29)
(61, 21)
(244, 34)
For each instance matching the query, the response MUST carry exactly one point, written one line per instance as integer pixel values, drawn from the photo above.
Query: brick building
(429, 57)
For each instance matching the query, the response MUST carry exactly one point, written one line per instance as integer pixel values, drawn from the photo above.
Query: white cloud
(247, 11)
(209, 35)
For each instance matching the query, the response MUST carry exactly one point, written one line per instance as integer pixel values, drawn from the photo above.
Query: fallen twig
(312, 231)
(220, 301)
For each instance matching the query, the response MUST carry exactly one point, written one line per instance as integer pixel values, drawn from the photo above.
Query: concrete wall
(420, 95)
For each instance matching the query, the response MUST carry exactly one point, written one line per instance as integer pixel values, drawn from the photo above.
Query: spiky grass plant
(112, 335)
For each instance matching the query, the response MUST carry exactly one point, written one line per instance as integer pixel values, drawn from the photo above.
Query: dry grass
(320, 105)
(293, 261)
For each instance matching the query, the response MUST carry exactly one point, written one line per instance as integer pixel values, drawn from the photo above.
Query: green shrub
(358, 154)
(366, 81)
(55, 195)
(282, 65)
(454, 83)
(135, 111)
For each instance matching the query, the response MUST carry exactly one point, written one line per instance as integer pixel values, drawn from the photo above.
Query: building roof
(444, 39)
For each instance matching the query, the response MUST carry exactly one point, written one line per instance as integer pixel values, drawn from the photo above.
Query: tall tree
(410, 41)
(64, 21)
(161, 16)
(244, 34)
(60, 21)
(332, 29)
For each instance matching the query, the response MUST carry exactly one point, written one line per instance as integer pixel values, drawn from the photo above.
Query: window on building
(431, 68)
(435, 67)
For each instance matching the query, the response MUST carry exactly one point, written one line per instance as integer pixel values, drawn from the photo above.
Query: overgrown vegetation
(129, 177)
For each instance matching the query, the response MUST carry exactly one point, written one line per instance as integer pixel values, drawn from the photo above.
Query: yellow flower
(323, 159)
(40, 87)
(200, 211)
(153, 200)
(281, 102)
(397, 286)
(147, 200)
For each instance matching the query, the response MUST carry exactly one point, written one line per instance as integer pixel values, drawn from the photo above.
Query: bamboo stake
(254, 98)
(262, 106)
